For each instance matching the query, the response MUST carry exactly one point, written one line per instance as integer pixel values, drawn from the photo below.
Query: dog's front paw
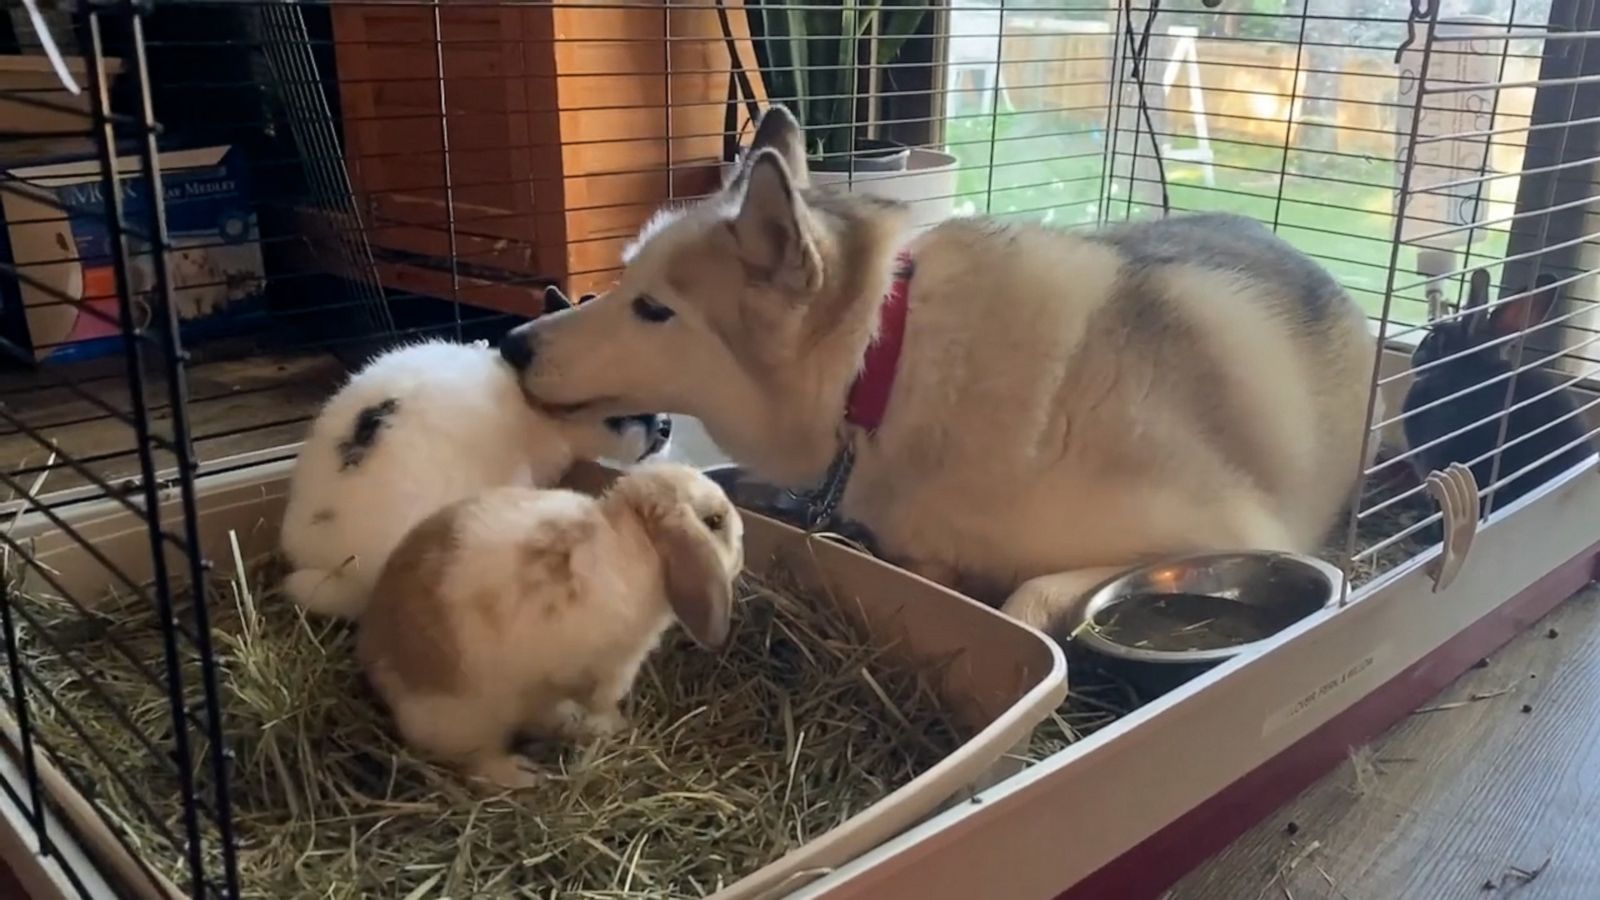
(1054, 604)
(1033, 604)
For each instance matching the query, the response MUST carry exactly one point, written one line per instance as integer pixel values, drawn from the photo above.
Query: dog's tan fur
(1066, 405)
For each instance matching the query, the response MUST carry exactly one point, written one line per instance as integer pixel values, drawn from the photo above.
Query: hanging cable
(739, 90)
(1137, 56)
(51, 51)
(1421, 10)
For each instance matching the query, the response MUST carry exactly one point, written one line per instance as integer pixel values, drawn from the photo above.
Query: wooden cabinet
(526, 143)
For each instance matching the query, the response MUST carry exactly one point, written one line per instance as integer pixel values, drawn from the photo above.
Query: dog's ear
(555, 301)
(772, 228)
(780, 133)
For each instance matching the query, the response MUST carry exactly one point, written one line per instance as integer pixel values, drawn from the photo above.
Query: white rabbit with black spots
(416, 429)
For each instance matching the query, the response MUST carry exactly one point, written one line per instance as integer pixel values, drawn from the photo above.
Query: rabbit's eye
(646, 308)
(713, 521)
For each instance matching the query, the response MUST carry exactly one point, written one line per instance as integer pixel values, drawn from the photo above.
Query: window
(1294, 112)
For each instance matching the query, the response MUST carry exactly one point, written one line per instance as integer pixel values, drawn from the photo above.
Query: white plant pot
(927, 185)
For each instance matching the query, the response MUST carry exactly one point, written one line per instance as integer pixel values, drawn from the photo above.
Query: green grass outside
(1338, 209)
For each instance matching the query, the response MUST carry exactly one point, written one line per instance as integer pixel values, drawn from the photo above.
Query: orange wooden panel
(558, 148)
(625, 148)
(480, 200)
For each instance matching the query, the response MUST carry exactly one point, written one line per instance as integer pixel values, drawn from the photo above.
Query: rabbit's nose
(517, 349)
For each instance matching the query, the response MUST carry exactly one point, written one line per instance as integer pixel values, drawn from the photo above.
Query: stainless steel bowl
(755, 495)
(1292, 586)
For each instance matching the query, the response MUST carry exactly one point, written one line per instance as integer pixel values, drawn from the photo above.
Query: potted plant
(821, 60)
(827, 61)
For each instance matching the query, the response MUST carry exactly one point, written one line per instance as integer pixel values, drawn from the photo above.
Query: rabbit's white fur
(458, 425)
(529, 612)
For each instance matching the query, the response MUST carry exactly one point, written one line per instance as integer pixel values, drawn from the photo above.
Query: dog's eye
(649, 310)
(713, 521)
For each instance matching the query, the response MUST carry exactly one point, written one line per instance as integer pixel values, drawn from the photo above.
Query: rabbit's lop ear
(699, 589)
(1527, 310)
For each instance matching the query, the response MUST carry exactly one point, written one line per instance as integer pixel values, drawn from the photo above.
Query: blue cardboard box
(57, 238)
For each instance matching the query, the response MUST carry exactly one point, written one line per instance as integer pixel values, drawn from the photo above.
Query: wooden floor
(234, 407)
(1493, 793)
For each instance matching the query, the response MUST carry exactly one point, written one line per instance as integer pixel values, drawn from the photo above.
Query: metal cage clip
(1456, 492)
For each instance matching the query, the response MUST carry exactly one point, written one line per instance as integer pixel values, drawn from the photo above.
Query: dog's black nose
(517, 350)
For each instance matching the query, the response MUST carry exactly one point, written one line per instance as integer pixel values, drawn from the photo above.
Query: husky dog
(1052, 407)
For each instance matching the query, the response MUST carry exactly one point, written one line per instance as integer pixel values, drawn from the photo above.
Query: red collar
(869, 394)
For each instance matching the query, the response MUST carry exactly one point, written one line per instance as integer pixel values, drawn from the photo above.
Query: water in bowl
(1175, 623)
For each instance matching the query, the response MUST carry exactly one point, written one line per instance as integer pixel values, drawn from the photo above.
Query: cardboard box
(56, 234)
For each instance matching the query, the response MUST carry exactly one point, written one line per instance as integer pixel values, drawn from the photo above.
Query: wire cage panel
(119, 257)
(413, 169)
(1461, 401)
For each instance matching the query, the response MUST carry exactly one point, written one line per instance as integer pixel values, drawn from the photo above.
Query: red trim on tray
(1157, 862)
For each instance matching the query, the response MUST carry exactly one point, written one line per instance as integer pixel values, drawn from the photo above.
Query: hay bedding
(733, 760)
(1392, 504)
